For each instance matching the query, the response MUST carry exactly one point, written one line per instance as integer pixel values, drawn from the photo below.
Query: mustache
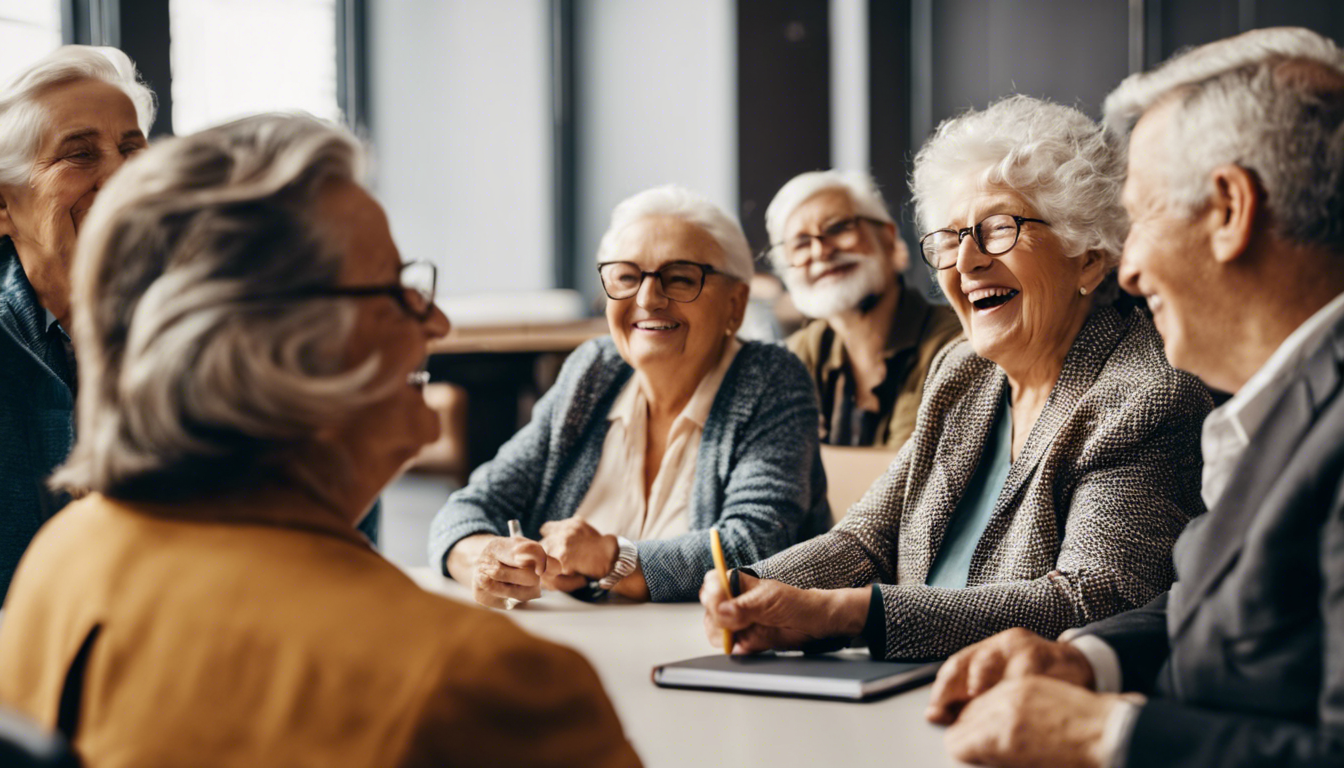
(815, 269)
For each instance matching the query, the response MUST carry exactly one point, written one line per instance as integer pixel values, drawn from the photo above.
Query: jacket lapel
(21, 317)
(1205, 557)
(1082, 365)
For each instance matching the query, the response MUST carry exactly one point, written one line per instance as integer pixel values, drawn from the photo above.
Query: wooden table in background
(692, 728)
(504, 369)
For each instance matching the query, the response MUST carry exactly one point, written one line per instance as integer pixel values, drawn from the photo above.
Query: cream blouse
(615, 502)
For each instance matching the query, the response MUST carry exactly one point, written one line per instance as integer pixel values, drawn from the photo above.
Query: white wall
(849, 84)
(657, 90)
(459, 96)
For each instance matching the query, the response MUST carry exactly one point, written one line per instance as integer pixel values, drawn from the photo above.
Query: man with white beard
(871, 341)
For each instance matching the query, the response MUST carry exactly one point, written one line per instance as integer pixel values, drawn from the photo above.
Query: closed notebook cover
(830, 676)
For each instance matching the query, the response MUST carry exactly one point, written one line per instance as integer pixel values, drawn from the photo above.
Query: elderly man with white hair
(67, 123)
(872, 340)
(1236, 155)
(650, 437)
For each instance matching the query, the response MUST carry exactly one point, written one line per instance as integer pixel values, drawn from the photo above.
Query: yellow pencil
(723, 580)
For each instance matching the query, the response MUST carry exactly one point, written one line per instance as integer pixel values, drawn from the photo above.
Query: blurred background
(504, 131)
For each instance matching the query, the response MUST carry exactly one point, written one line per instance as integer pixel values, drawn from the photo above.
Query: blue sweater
(758, 474)
(36, 407)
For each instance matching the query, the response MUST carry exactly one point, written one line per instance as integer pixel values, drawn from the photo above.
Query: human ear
(6, 223)
(1233, 207)
(1093, 271)
(737, 305)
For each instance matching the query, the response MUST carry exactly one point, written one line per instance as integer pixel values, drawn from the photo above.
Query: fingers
(949, 689)
(492, 591)
(522, 554)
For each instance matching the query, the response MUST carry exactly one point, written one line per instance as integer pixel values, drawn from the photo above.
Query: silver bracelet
(627, 560)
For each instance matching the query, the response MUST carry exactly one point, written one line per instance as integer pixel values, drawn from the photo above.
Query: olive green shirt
(918, 331)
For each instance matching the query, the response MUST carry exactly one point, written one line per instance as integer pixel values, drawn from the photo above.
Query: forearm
(1166, 733)
(834, 560)
(931, 622)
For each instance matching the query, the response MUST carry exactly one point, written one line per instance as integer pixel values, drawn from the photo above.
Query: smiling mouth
(418, 379)
(999, 296)
(657, 325)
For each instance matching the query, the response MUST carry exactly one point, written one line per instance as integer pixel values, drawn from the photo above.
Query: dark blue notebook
(825, 676)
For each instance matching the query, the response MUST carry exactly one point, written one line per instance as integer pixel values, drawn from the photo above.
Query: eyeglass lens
(418, 278)
(680, 282)
(841, 234)
(996, 235)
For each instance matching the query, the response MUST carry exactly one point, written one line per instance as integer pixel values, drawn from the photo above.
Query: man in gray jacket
(1235, 193)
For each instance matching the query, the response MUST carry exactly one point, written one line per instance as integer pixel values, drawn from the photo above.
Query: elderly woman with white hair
(67, 123)
(253, 348)
(650, 437)
(1056, 456)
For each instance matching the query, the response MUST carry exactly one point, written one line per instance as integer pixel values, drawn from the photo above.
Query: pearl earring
(1082, 291)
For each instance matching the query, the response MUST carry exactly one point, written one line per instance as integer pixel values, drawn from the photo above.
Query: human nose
(1128, 273)
(969, 256)
(650, 294)
(437, 324)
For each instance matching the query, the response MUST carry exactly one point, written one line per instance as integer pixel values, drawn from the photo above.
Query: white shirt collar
(1229, 428)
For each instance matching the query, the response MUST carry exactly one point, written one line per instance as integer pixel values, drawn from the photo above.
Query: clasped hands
(569, 555)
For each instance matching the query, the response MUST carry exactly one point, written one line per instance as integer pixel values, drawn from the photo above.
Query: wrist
(845, 610)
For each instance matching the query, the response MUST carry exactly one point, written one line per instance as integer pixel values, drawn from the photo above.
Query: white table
(685, 728)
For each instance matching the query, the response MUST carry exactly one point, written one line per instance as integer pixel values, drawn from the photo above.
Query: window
(237, 57)
(29, 29)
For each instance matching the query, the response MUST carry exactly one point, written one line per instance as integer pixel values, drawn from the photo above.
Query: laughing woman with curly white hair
(650, 437)
(1055, 457)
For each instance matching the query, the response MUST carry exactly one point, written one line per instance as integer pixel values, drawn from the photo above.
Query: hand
(1011, 654)
(579, 549)
(507, 568)
(1032, 721)
(772, 615)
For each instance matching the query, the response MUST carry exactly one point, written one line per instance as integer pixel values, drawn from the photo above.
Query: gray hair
(1235, 103)
(860, 186)
(196, 374)
(22, 119)
(1054, 156)
(681, 203)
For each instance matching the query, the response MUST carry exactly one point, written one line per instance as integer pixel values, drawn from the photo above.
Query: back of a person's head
(195, 374)
(1270, 101)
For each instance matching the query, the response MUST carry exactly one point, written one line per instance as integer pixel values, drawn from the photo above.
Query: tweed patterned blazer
(1084, 525)
(758, 474)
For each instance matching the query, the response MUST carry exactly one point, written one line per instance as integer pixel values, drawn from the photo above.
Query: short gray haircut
(22, 119)
(1233, 104)
(1057, 158)
(681, 203)
(860, 186)
(196, 373)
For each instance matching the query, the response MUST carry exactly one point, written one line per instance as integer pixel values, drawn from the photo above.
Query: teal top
(968, 523)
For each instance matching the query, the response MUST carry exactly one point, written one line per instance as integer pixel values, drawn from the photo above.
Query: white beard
(836, 296)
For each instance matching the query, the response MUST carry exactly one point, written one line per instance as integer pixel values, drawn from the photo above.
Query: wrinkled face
(387, 433)
(832, 275)
(90, 131)
(1020, 306)
(651, 331)
(1167, 258)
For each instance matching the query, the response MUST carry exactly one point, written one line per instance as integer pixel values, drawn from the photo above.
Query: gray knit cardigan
(1084, 525)
(758, 473)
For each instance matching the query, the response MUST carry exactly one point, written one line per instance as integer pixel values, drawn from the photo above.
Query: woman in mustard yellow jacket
(250, 347)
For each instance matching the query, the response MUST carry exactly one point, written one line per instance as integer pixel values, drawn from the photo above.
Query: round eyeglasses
(842, 235)
(680, 281)
(995, 235)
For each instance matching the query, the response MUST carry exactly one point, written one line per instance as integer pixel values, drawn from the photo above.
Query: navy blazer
(37, 403)
(1244, 656)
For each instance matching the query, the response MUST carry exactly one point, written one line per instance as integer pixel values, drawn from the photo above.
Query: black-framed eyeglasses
(414, 292)
(995, 235)
(842, 234)
(680, 281)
